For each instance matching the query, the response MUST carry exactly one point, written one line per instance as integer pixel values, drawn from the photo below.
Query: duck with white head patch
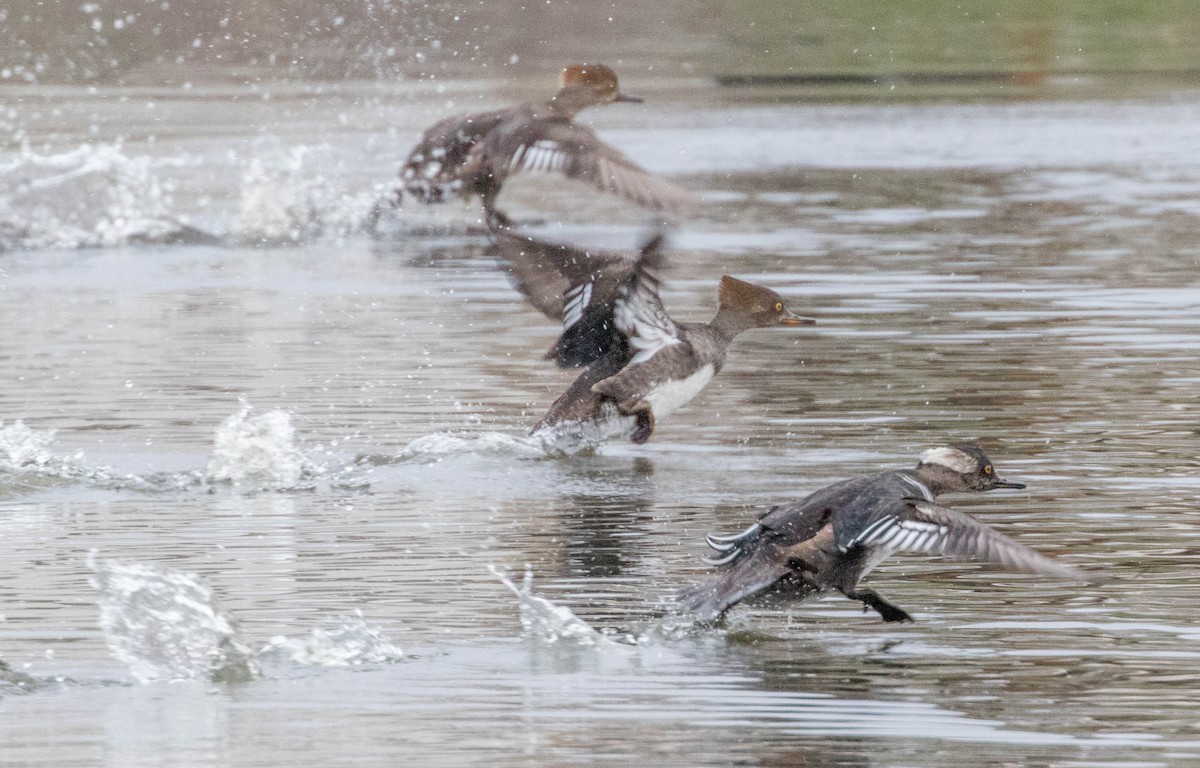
(474, 154)
(642, 365)
(834, 537)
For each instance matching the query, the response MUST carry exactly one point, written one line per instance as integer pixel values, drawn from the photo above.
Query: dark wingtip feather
(651, 253)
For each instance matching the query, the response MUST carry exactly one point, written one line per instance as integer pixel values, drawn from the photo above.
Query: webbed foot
(644, 427)
(871, 599)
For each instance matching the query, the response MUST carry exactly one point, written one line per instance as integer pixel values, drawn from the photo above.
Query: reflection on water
(1021, 273)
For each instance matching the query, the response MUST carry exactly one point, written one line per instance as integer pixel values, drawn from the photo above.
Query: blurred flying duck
(834, 537)
(469, 155)
(642, 365)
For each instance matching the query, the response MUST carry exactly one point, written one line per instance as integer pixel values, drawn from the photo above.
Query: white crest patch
(952, 459)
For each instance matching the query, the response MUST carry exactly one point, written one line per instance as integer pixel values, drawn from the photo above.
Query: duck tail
(748, 570)
(730, 547)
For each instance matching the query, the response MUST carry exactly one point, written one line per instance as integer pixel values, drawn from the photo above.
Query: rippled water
(230, 416)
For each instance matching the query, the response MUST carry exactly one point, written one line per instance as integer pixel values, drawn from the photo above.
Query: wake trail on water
(251, 452)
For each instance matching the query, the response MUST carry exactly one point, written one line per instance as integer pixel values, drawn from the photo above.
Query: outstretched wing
(925, 526)
(638, 311)
(432, 171)
(559, 146)
(578, 287)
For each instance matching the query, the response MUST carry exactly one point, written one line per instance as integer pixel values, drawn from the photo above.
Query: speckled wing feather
(536, 270)
(924, 526)
(433, 171)
(638, 311)
(578, 287)
(559, 146)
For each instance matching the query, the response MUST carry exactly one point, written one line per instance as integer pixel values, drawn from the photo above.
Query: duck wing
(575, 286)
(925, 526)
(595, 305)
(433, 170)
(575, 151)
(638, 312)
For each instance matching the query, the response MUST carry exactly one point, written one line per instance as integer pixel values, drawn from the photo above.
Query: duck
(641, 365)
(473, 155)
(832, 538)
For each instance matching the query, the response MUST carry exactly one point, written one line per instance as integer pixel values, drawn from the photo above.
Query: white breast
(670, 396)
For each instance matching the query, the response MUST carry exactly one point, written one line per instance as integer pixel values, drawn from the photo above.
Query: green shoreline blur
(1003, 48)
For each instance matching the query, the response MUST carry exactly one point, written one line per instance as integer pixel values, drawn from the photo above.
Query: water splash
(168, 625)
(571, 438)
(350, 642)
(23, 448)
(92, 196)
(259, 451)
(441, 445)
(291, 195)
(27, 453)
(546, 622)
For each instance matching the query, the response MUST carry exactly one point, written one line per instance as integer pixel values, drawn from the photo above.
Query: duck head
(960, 467)
(743, 306)
(586, 84)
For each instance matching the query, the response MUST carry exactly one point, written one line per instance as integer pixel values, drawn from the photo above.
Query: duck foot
(871, 599)
(644, 427)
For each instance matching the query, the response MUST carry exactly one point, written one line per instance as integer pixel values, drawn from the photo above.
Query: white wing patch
(640, 316)
(577, 302)
(543, 156)
(899, 535)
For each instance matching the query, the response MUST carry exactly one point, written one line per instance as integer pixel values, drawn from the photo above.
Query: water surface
(200, 341)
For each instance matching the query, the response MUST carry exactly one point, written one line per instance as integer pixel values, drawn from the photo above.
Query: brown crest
(748, 297)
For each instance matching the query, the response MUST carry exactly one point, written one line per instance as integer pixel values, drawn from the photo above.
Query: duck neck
(568, 102)
(937, 480)
(728, 323)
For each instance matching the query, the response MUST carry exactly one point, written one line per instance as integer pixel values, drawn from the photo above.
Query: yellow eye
(779, 306)
(987, 470)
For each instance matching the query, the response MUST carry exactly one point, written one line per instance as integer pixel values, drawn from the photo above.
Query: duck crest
(595, 77)
(954, 458)
(748, 297)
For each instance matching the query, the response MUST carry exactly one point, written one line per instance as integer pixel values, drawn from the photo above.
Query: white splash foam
(24, 448)
(25, 451)
(168, 625)
(259, 451)
(92, 196)
(289, 195)
(572, 437)
(545, 622)
(440, 445)
(352, 641)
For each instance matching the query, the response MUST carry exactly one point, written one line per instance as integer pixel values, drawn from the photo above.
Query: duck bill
(628, 98)
(1007, 484)
(791, 318)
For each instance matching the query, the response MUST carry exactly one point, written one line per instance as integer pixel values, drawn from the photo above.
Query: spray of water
(92, 196)
(349, 641)
(168, 625)
(259, 451)
(544, 621)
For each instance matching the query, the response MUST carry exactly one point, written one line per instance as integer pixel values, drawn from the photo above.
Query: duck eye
(987, 470)
(779, 306)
